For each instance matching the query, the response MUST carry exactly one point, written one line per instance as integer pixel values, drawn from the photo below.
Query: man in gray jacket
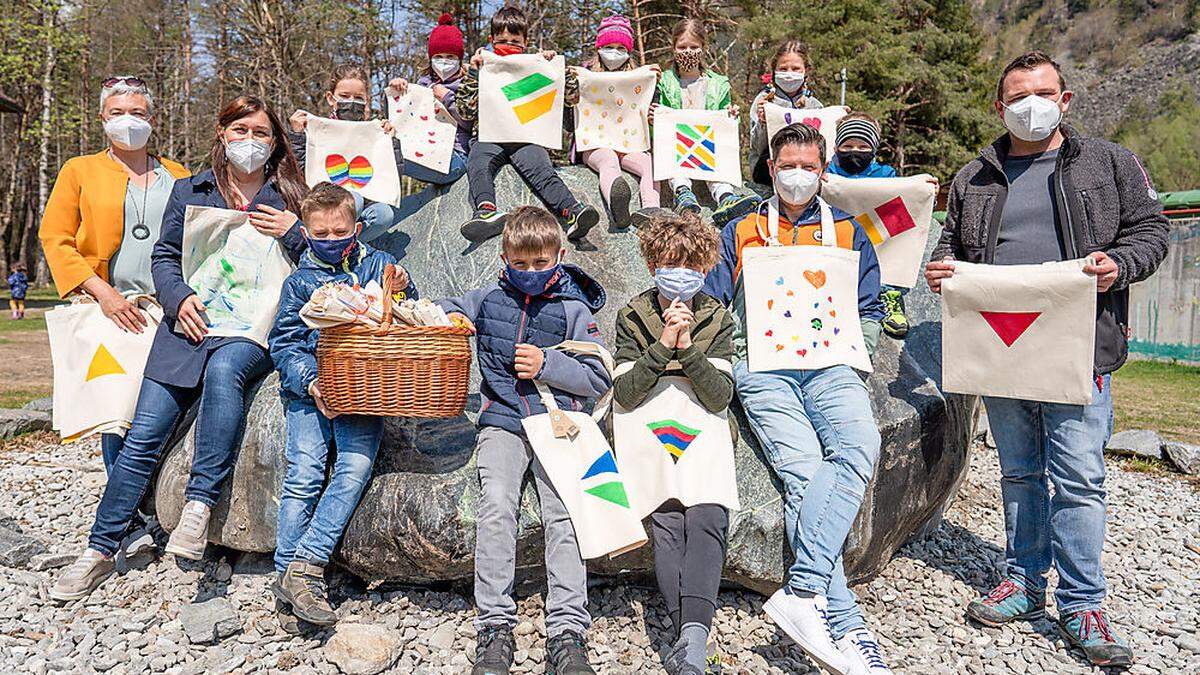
(1040, 193)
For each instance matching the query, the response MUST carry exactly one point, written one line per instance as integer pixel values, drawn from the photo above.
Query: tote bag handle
(562, 425)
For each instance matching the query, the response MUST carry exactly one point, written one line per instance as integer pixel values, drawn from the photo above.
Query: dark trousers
(689, 554)
(532, 163)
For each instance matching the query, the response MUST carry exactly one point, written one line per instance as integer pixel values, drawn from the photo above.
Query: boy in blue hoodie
(312, 519)
(538, 302)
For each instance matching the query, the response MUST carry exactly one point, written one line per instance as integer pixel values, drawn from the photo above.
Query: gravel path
(136, 622)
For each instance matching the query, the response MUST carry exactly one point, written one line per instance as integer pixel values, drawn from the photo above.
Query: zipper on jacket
(520, 336)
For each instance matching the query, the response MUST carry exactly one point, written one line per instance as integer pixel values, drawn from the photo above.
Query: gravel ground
(133, 622)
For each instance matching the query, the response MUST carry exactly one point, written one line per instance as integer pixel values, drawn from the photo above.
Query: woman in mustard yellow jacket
(105, 212)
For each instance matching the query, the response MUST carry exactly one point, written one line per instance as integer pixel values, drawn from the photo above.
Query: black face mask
(351, 110)
(855, 161)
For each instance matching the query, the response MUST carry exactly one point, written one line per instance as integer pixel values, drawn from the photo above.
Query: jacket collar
(995, 154)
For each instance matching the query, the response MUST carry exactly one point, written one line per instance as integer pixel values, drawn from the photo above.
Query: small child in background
(509, 31)
(538, 302)
(790, 78)
(689, 84)
(312, 518)
(674, 330)
(18, 286)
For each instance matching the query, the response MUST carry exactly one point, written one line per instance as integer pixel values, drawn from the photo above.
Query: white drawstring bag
(583, 469)
(97, 366)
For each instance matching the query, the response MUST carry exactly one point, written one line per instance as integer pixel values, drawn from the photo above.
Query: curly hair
(680, 240)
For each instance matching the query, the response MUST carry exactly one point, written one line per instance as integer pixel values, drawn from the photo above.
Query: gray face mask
(350, 109)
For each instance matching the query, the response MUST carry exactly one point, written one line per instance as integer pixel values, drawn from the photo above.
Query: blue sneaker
(686, 202)
(1010, 601)
(733, 207)
(1090, 631)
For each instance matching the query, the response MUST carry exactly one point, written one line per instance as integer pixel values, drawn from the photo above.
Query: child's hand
(733, 111)
(529, 361)
(477, 59)
(298, 121)
(685, 334)
(191, 318)
(440, 91)
(761, 111)
(460, 320)
(315, 392)
(650, 113)
(670, 334)
(399, 84)
(657, 71)
(401, 280)
(387, 127)
(548, 54)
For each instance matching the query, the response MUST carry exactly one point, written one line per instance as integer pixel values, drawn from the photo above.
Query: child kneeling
(537, 303)
(674, 330)
(312, 519)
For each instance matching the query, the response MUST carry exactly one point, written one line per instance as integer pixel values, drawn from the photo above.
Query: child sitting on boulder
(311, 517)
(537, 303)
(673, 337)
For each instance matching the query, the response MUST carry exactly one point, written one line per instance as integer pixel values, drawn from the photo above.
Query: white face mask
(613, 57)
(247, 155)
(127, 132)
(796, 186)
(1033, 118)
(788, 81)
(445, 66)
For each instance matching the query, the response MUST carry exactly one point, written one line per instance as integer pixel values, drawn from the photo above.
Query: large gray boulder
(416, 522)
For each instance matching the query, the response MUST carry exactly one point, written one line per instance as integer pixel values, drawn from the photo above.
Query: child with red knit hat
(443, 75)
(614, 47)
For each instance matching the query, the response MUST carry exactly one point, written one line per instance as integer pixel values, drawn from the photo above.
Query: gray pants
(503, 458)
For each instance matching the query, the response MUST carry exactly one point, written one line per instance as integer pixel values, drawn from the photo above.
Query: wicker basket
(394, 370)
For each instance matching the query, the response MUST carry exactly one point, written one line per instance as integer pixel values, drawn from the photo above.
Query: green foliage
(1167, 137)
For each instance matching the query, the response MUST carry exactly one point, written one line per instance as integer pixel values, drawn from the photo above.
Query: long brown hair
(696, 28)
(792, 47)
(281, 168)
(347, 71)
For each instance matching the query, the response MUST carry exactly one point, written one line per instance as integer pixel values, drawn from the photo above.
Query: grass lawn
(16, 398)
(1160, 396)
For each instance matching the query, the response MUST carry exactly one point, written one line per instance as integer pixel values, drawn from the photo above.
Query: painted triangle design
(611, 492)
(605, 463)
(675, 437)
(103, 363)
(1010, 325)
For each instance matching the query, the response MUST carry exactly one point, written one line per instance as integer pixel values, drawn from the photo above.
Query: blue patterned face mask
(332, 251)
(532, 282)
(678, 282)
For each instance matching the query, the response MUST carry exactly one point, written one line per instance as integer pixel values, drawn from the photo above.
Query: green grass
(29, 323)
(1161, 396)
(15, 398)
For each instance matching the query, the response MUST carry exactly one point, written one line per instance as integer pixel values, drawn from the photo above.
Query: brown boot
(303, 587)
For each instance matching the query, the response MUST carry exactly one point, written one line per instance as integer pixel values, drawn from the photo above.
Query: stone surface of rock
(1185, 456)
(17, 548)
(362, 648)
(1137, 443)
(14, 422)
(209, 621)
(44, 404)
(416, 520)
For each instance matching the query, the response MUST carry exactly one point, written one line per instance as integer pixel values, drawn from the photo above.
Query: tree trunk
(85, 77)
(42, 271)
(187, 82)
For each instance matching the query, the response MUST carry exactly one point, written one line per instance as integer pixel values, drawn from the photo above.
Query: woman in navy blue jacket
(253, 170)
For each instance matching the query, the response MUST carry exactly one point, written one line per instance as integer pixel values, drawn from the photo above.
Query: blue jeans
(1054, 443)
(817, 430)
(110, 447)
(458, 166)
(222, 393)
(311, 521)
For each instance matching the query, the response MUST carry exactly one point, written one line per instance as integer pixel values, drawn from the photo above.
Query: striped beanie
(615, 30)
(866, 130)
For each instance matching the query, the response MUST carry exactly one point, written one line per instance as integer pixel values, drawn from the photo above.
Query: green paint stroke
(672, 424)
(525, 86)
(611, 492)
(688, 130)
(227, 273)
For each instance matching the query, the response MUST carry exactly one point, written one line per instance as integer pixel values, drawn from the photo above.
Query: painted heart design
(790, 294)
(816, 278)
(779, 281)
(770, 304)
(829, 298)
(802, 352)
(418, 153)
(788, 314)
(814, 122)
(827, 343)
(424, 118)
(778, 348)
(637, 89)
(770, 333)
(355, 173)
(833, 313)
(836, 331)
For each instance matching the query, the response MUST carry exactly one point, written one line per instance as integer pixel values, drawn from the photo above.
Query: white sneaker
(190, 536)
(804, 620)
(862, 652)
(83, 576)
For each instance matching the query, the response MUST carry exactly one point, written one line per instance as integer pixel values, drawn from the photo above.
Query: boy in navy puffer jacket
(538, 302)
(311, 520)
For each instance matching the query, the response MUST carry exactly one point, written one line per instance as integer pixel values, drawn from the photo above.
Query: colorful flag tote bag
(612, 109)
(521, 99)
(584, 471)
(97, 366)
(355, 155)
(1020, 331)
(697, 144)
(671, 447)
(802, 301)
(895, 213)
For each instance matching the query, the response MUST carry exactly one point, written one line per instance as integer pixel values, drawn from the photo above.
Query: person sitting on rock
(538, 302)
(815, 427)
(312, 519)
(509, 29)
(674, 331)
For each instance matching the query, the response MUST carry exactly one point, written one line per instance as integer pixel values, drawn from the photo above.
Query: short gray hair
(122, 87)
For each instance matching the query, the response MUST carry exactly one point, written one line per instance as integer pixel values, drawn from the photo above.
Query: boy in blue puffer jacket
(538, 302)
(311, 520)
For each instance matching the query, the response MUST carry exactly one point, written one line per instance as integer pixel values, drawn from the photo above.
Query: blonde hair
(530, 229)
(679, 240)
(328, 197)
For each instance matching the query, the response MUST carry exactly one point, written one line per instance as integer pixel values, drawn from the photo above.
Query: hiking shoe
(1090, 631)
(733, 207)
(862, 653)
(895, 323)
(289, 622)
(686, 202)
(566, 654)
(1009, 601)
(713, 659)
(487, 222)
(302, 586)
(190, 536)
(83, 576)
(580, 220)
(675, 663)
(642, 217)
(494, 647)
(618, 202)
(804, 620)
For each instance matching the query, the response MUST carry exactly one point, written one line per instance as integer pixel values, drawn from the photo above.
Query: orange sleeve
(59, 226)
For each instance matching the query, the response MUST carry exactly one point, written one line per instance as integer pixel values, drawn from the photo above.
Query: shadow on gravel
(959, 552)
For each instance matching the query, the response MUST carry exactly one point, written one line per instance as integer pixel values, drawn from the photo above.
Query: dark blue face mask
(332, 251)
(532, 282)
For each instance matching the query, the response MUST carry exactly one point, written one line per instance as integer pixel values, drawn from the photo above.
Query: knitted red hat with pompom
(446, 38)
